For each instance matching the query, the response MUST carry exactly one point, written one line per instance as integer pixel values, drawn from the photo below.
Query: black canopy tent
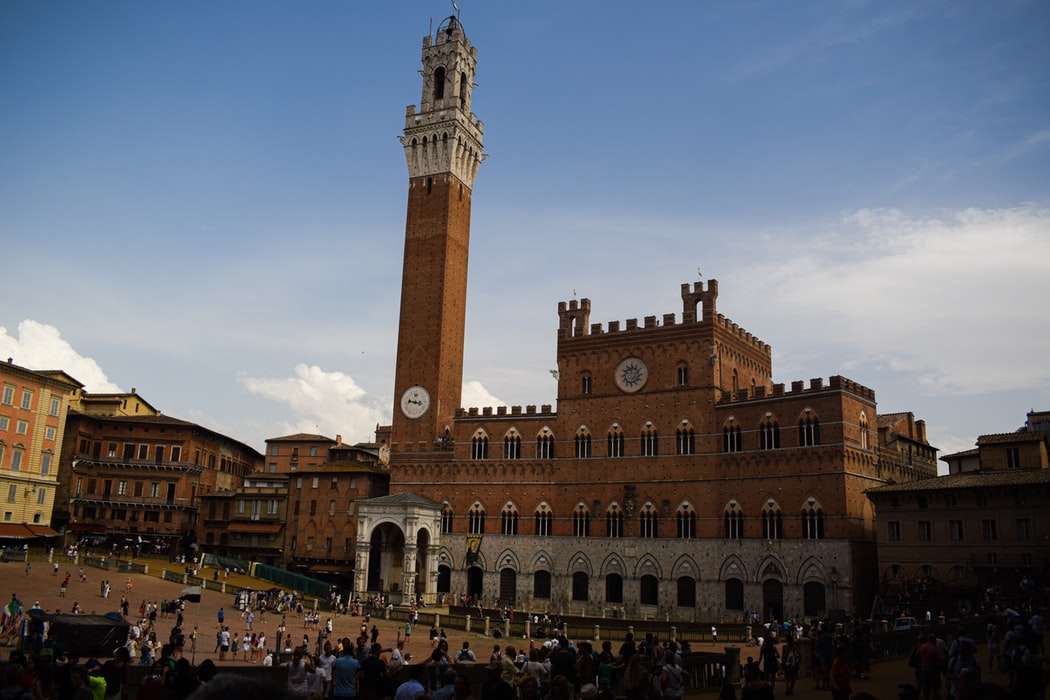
(82, 636)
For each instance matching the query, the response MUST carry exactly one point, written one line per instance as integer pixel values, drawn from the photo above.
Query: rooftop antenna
(455, 8)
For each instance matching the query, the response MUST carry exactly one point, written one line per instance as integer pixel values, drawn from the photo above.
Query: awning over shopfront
(22, 531)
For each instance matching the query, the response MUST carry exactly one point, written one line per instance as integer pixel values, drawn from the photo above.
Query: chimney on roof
(132, 390)
(339, 439)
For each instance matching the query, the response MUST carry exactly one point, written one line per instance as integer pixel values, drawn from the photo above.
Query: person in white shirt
(397, 653)
(324, 667)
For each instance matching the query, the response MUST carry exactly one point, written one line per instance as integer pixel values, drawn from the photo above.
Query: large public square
(42, 587)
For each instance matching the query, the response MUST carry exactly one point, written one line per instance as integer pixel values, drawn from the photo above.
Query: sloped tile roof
(970, 480)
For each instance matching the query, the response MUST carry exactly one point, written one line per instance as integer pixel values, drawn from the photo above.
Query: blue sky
(206, 201)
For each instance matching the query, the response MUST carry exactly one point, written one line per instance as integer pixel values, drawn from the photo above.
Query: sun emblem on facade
(631, 374)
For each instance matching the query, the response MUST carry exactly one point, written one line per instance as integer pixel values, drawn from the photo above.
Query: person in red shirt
(840, 675)
(931, 667)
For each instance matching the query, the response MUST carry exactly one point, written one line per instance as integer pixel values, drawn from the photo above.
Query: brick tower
(443, 149)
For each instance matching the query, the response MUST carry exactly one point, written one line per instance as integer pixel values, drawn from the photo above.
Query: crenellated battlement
(545, 410)
(743, 335)
(799, 388)
(574, 318)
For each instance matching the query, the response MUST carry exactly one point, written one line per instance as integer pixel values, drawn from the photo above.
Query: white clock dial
(415, 401)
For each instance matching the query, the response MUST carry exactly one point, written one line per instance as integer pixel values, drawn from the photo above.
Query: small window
(731, 438)
(650, 442)
(55, 405)
(955, 529)
(476, 521)
(988, 530)
(893, 531)
(581, 522)
(733, 522)
(649, 522)
(808, 430)
(585, 384)
(683, 375)
(685, 441)
(925, 531)
(27, 399)
(614, 523)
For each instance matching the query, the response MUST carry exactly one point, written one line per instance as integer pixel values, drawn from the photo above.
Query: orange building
(675, 479)
(33, 407)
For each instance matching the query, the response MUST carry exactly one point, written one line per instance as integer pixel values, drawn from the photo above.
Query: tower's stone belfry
(442, 142)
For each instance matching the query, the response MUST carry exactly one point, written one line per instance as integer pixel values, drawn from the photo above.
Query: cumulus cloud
(332, 403)
(40, 346)
(475, 394)
(328, 403)
(954, 302)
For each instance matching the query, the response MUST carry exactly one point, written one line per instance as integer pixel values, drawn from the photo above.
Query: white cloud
(475, 394)
(328, 403)
(954, 303)
(40, 346)
(331, 403)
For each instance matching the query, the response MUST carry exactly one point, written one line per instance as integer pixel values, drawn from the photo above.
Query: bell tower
(442, 143)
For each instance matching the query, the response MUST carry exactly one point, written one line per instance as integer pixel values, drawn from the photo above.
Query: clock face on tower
(631, 374)
(415, 401)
